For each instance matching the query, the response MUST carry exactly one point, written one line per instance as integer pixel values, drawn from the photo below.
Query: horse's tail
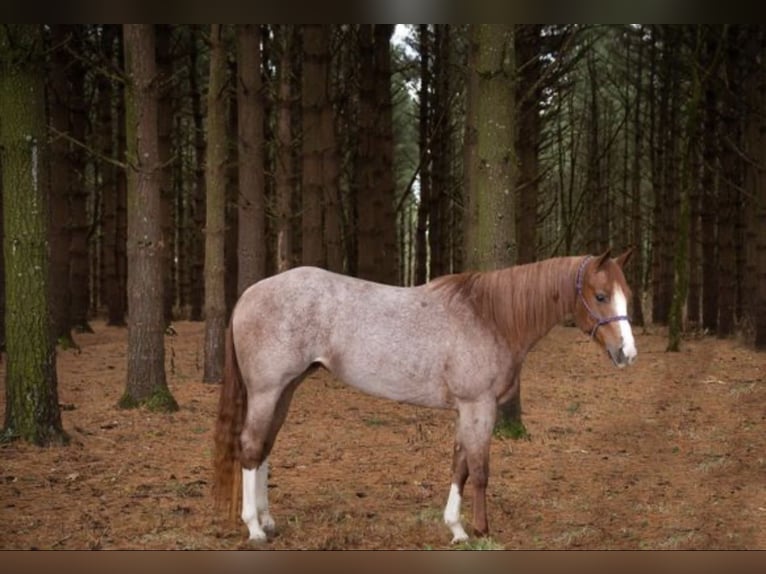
(232, 406)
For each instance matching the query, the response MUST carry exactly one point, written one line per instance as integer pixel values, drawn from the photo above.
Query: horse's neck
(543, 295)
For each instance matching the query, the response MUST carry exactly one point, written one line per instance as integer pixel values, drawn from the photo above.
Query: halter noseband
(599, 320)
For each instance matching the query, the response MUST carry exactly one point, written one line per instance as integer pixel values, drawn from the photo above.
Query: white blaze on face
(621, 308)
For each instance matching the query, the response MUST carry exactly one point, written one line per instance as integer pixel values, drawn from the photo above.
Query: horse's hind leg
(265, 417)
(262, 473)
(260, 412)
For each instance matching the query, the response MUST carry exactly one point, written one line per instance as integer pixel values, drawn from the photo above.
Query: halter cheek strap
(599, 320)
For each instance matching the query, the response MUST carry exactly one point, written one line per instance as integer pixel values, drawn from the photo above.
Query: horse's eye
(600, 297)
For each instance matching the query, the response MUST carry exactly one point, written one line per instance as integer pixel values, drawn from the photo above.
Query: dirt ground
(667, 454)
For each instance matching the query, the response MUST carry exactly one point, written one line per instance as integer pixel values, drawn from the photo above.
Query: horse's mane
(522, 302)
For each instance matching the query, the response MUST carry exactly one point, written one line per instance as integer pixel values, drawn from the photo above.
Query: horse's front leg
(474, 433)
(452, 509)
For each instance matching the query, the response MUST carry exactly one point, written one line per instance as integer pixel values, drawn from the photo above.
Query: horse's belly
(396, 381)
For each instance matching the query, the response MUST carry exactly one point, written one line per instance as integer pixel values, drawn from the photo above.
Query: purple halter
(599, 320)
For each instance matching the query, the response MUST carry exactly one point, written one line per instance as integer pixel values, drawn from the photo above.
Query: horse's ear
(621, 260)
(603, 258)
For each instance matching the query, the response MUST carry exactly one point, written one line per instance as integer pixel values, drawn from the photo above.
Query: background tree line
(182, 163)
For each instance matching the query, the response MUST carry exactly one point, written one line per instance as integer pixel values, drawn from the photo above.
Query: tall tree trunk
(146, 382)
(753, 87)
(215, 185)
(440, 196)
(673, 157)
(595, 191)
(658, 123)
(164, 80)
(681, 263)
(388, 260)
(196, 239)
(333, 208)
(759, 220)
(283, 176)
(60, 230)
(367, 234)
(31, 410)
(728, 196)
(113, 294)
(421, 244)
(491, 235)
(709, 198)
(637, 266)
(313, 96)
(231, 199)
(2, 271)
(528, 96)
(121, 191)
(78, 195)
(252, 208)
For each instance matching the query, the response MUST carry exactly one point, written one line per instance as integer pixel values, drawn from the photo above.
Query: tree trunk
(387, 260)
(637, 265)
(367, 234)
(32, 411)
(681, 263)
(313, 96)
(658, 123)
(252, 208)
(121, 191)
(755, 130)
(595, 191)
(164, 78)
(729, 194)
(78, 195)
(283, 176)
(421, 244)
(673, 159)
(440, 196)
(60, 230)
(760, 208)
(528, 96)
(113, 294)
(491, 235)
(215, 184)
(196, 239)
(709, 196)
(333, 208)
(231, 196)
(146, 382)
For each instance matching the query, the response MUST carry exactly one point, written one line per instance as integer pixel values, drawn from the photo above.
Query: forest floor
(667, 454)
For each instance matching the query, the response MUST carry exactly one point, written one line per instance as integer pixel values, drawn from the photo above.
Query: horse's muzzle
(622, 357)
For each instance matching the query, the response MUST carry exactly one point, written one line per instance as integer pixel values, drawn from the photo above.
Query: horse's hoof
(257, 542)
(458, 538)
(267, 523)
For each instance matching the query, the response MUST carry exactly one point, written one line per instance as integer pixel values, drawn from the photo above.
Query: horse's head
(601, 309)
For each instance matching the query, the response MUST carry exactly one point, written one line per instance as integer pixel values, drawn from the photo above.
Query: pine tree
(32, 410)
(146, 383)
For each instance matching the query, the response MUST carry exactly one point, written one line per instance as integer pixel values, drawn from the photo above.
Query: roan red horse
(457, 342)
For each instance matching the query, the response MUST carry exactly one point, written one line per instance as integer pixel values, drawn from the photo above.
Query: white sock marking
(452, 515)
(249, 505)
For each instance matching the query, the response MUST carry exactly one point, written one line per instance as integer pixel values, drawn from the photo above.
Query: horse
(457, 342)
